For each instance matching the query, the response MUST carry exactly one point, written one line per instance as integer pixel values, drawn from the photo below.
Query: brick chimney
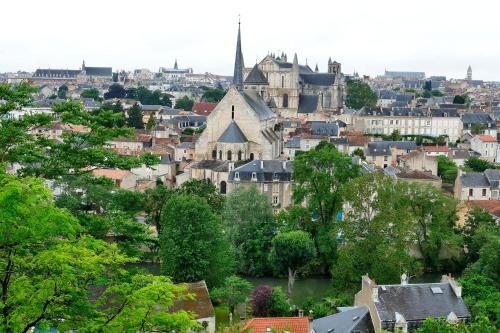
(455, 286)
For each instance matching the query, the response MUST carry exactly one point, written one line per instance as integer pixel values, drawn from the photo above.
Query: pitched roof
(265, 170)
(318, 79)
(110, 173)
(289, 324)
(232, 134)
(416, 302)
(487, 138)
(308, 103)
(99, 71)
(256, 77)
(201, 304)
(474, 179)
(343, 322)
(471, 118)
(203, 108)
(323, 128)
(258, 104)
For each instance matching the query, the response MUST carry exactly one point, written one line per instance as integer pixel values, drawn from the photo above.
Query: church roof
(308, 103)
(238, 63)
(98, 71)
(319, 79)
(258, 105)
(233, 134)
(256, 77)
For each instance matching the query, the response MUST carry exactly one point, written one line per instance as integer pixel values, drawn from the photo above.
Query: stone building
(294, 90)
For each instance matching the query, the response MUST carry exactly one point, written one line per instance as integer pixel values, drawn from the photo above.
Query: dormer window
(236, 175)
(254, 176)
(275, 176)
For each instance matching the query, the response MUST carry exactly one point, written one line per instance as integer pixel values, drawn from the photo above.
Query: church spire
(316, 69)
(238, 63)
(175, 65)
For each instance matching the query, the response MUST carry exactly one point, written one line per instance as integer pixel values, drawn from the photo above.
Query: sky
(439, 37)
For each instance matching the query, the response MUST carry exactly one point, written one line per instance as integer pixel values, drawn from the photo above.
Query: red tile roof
(203, 108)
(436, 149)
(289, 324)
(487, 138)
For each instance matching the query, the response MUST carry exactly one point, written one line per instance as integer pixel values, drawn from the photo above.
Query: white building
(486, 145)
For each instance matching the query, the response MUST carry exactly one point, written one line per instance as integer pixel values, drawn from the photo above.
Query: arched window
(223, 187)
(229, 155)
(251, 156)
(232, 111)
(239, 155)
(285, 100)
(214, 154)
(220, 154)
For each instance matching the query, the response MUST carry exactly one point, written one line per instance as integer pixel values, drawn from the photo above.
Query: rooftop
(289, 324)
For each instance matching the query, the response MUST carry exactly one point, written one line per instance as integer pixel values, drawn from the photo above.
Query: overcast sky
(440, 37)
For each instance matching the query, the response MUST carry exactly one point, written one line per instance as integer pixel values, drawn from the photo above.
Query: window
(220, 154)
(484, 192)
(285, 100)
(254, 176)
(236, 175)
(214, 154)
(275, 199)
(385, 158)
(229, 155)
(266, 187)
(282, 82)
(223, 187)
(232, 111)
(471, 192)
(251, 156)
(239, 155)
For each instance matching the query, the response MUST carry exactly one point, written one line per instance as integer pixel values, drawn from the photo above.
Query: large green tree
(234, 291)
(184, 103)
(213, 95)
(249, 219)
(193, 246)
(476, 164)
(135, 117)
(376, 233)
(291, 251)
(447, 170)
(91, 93)
(359, 94)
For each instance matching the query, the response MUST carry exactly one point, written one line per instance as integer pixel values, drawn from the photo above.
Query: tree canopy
(359, 94)
(184, 103)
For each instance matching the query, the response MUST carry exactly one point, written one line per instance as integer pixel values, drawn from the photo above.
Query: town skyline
(385, 40)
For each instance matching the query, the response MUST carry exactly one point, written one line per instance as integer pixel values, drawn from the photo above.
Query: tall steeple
(175, 65)
(238, 62)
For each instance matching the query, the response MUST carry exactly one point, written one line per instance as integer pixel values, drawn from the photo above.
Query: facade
(419, 161)
(294, 90)
(123, 179)
(486, 146)
(386, 153)
(480, 120)
(478, 185)
(432, 122)
(405, 307)
(271, 177)
(83, 75)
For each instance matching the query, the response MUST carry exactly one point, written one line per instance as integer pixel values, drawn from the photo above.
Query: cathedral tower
(238, 63)
(469, 74)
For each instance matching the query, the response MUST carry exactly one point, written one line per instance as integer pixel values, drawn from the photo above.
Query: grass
(222, 317)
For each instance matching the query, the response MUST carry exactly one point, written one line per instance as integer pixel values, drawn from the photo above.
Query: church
(294, 90)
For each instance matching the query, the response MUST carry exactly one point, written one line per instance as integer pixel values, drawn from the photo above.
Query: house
(385, 153)
(436, 151)
(406, 306)
(350, 320)
(184, 151)
(481, 120)
(459, 156)
(418, 160)
(414, 176)
(203, 108)
(291, 147)
(478, 185)
(271, 177)
(164, 170)
(279, 324)
(201, 305)
(486, 145)
(123, 179)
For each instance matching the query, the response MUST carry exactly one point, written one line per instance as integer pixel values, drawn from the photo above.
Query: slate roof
(152, 107)
(55, 73)
(99, 71)
(416, 302)
(308, 103)
(318, 79)
(293, 143)
(323, 128)
(256, 77)
(303, 69)
(493, 177)
(474, 179)
(381, 148)
(265, 170)
(470, 118)
(408, 112)
(232, 134)
(258, 104)
(342, 322)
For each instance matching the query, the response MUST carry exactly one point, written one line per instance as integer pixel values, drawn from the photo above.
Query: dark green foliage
(148, 97)
(481, 325)
(459, 99)
(213, 95)
(270, 302)
(234, 291)
(193, 246)
(359, 152)
(62, 91)
(478, 129)
(184, 103)
(428, 86)
(478, 165)
(325, 307)
(115, 90)
(250, 223)
(447, 170)
(436, 93)
(16, 96)
(91, 93)
(359, 94)
(279, 305)
(151, 122)
(205, 190)
(135, 117)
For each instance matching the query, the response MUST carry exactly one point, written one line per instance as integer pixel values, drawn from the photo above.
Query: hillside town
(283, 198)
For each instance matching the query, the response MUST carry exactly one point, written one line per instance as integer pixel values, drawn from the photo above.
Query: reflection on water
(315, 287)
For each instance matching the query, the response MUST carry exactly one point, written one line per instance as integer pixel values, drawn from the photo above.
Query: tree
(320, 176)
(205, 190)
(437, 93)
(234, 291)
(459, 99)
(447, 170)
(115, 90)
(15, 97)
(359, 94)
(291, 251)
(62, 91)
(279, 305)
(154, 202)
(48, 266)
(151, 122)
(431, 325)
(115, 76)
(478, 129)
(479, 224)
(427, 94)
(376, 233)
(359, 152)
(476, 164)
(213, 95)
(395, 136)
(261, 299)
(184, 103)
(193, 246)
(250, 223)
(428, 85)
(91, 93)
(135, 116)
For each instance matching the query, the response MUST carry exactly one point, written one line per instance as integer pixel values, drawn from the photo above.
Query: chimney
(231, 166)
(301, 313)
(455, 286)
(268, 330)
(404, 279)
(262, 164)
(284, 165)
(370, 286)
